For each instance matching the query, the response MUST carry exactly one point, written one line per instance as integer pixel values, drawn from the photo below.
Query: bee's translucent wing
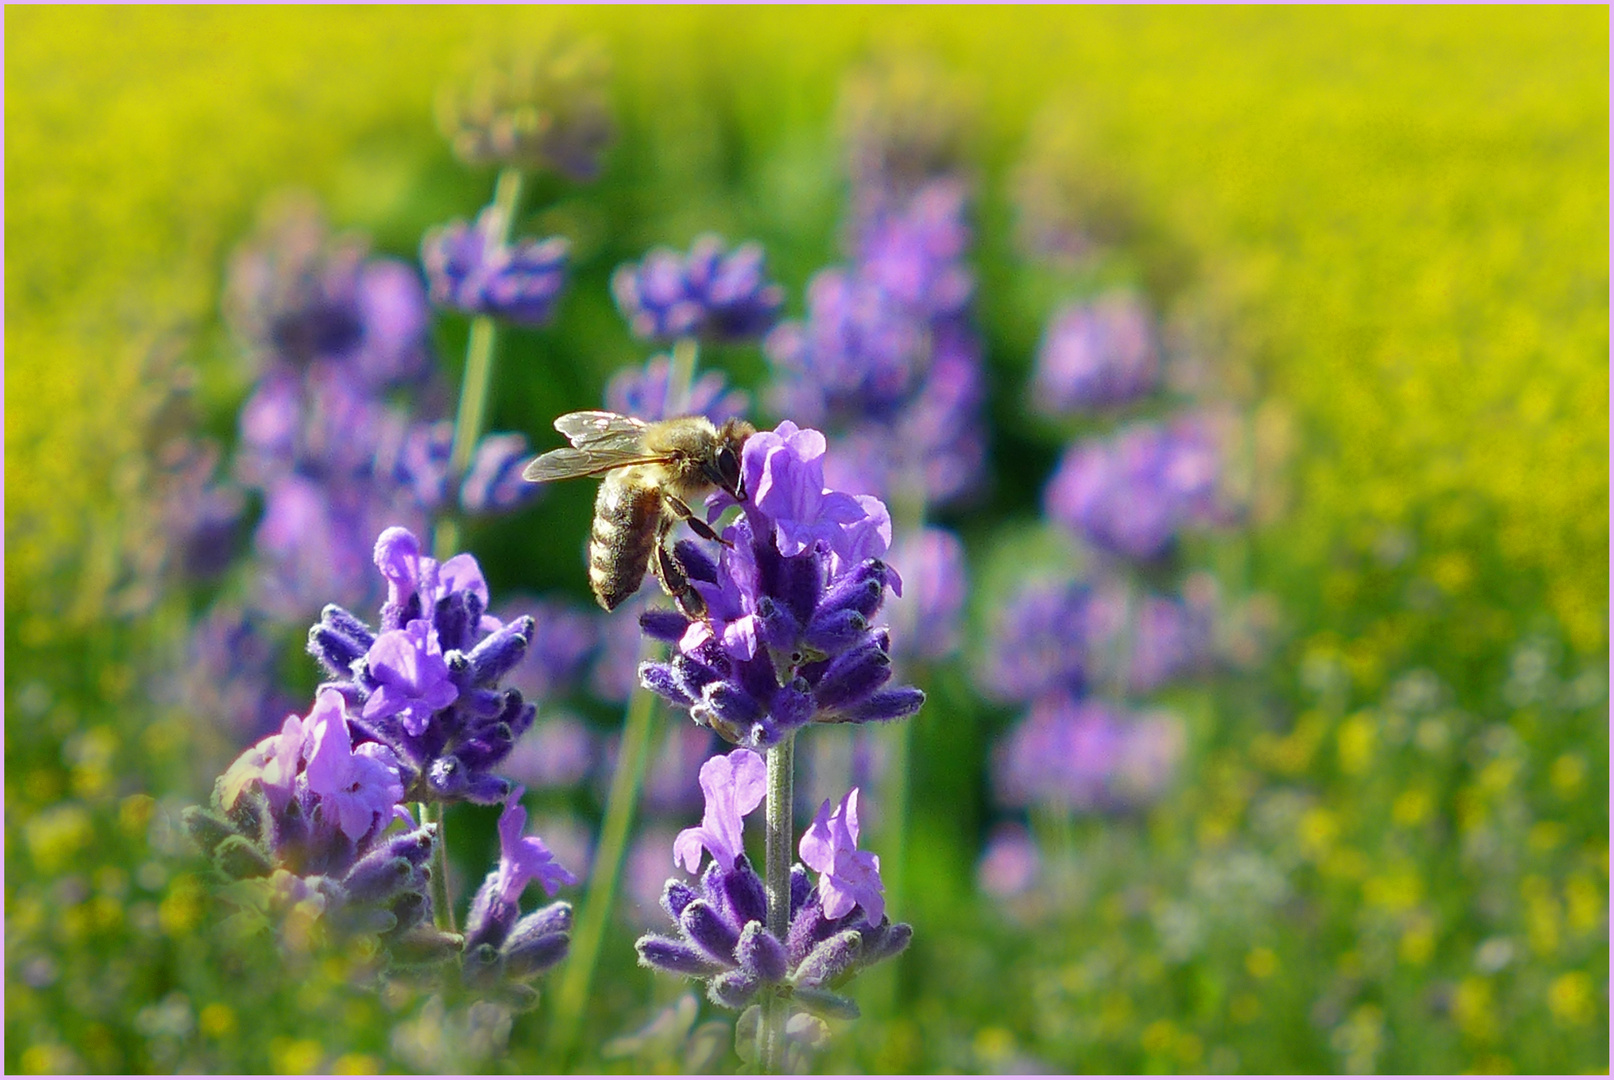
(595, 430)
(572, 461)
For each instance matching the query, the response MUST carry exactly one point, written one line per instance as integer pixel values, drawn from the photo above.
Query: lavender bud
(885, 941)
(742, 893)
(659, 679)
(500, 651)
(831, 959)
(207, 829)
(334, 650)
(887, 705)
(759, 952)
(676, 897)
(860, 591)
(733, 989)
(490, 919)
(674, 956)
(237, 857)
(852, 676)
(834, 631)
(375, 877)
(697, 564)
(704, 926)
(663, 624)
(535, 955)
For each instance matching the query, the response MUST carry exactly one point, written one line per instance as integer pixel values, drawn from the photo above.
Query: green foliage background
(1398, 217)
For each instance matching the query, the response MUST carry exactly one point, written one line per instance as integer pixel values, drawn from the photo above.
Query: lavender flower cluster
(836, 927)
(339, 340)
(886, 354)
(712, 293)
(472, 270)
(788, 638)
(414, 712)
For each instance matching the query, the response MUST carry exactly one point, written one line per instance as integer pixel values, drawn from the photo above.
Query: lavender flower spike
(787, 638)
(848, 877)
(711, 293)
(734, 786)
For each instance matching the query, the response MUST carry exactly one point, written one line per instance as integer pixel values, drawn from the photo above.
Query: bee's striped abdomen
(625, 517)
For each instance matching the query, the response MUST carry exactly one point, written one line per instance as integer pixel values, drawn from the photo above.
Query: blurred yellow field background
(1394, 219)
(1410, 205)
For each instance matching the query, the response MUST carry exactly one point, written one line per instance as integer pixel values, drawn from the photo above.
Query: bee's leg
(682, 512)
(674, 581)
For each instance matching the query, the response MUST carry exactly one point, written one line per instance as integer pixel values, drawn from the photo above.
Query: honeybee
(652, 471)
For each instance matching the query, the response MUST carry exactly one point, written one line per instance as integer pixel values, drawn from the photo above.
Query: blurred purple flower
(710, 293)
(847, 877)
(1096, 355)
(912, 248)
(556, 752)
(298, 299)
(471, 274)
(1011, 863)
(857, 354)
(201, 514)
(1041, 641)
(1084, 755)
(734, 785)
(925, 621)
(565, 638)
(493, 482)
(1134, 493)
(643, 392)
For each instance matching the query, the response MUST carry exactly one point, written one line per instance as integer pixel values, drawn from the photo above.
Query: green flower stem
(621, 802)
(478, 379)
(442, 910)
(682, 376)
(776, 865)
(446, 535)
(571, 999)
(908, 518)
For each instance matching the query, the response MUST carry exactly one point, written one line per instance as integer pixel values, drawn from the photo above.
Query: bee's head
(730, 442)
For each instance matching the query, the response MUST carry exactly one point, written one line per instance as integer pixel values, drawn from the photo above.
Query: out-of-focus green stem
(572, 995)
(474, 389)
(776, 866)
(682, 376)
(478, 380)
(442, 909)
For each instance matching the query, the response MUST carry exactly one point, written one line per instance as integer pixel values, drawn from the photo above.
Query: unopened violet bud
(705, 927)
(761, 953)
(663, 624)
(660, 680)
(676, 897)
(830, 959)
(524, 279)
(377, 877)
(423, 463)
(887, 705)
(500, 651)
(644, 393)
(675, 956)
(733, 989)
(740, 892)
(852, 676)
